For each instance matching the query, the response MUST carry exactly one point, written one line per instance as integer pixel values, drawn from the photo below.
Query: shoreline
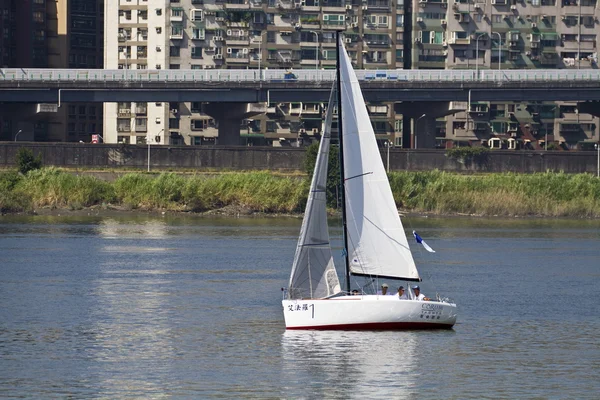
(245, 212)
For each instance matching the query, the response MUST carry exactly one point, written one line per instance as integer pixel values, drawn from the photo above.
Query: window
(174, 51)
(196, 52)
(123, 125)
(399, 55)
(141, 124)
(196, 66)
(400, 20)
(38, 16)
(174, 66)
(177, 30)
(173, 123)
(198, 33)
(197, 15)
(334, 19)
(378, 20)
(177, 12)
(198, 124)
(195, 107)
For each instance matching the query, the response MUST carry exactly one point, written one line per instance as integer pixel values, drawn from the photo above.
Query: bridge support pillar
(418, 130)
(229, 117)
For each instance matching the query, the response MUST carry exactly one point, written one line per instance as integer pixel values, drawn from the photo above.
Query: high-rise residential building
(379, 34)
(491, 34)
(51, 34)
(155, 35)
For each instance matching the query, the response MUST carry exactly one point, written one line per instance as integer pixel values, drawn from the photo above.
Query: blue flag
(420, 240)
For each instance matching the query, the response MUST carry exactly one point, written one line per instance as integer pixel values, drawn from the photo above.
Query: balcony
(141, 127)
(569, 127)
(176, 14)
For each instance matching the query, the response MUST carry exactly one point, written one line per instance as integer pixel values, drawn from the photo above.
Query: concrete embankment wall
(77, 155)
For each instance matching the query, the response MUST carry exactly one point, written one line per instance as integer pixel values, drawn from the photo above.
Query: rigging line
(358, 176)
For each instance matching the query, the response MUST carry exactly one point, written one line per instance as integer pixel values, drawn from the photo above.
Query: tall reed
(547, 194)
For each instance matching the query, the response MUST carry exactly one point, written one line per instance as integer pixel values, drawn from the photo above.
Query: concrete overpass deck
(249, 86)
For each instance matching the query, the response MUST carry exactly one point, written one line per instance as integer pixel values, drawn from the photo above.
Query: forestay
(313, 272)
(377, 244)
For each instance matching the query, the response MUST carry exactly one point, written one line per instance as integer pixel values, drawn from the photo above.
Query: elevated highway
(253, 86)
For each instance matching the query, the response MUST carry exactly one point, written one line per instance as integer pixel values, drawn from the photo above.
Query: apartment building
(51, 34)
(379, 34)
(490, 34)
(154, 35)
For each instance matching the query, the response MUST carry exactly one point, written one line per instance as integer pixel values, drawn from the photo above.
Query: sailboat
(374, 241)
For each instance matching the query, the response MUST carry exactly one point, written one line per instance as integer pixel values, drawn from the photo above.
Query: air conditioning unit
(527, 53)
(218, 57)
(348, 6)
(245, 50)
(445, 52)
(445, 44)
(348, 40)
(422, 1)
(419, 19)
(158, 49)
(533, 25)
(477, 6)
(302, 131)
(443, 22)
(354, 24)
(218, 38)
(229, 50)
(417, 40)
(514, 8)
(315, 130)
(228, 32)
(365, 7)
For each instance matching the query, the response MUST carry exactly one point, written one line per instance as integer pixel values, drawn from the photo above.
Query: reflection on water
(349, 364)
(178, 307)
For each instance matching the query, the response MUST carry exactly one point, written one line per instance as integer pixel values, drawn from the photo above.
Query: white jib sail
(377, 243)
(313, 272)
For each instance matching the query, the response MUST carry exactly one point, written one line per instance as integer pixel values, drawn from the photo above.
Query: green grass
(547, 194)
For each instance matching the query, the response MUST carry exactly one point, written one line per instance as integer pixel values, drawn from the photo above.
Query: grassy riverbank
(549, 194)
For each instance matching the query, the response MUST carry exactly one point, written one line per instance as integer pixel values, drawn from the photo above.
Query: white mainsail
(313, 272)
(377, 244)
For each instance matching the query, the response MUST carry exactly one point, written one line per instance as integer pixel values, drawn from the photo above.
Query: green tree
(26, 161)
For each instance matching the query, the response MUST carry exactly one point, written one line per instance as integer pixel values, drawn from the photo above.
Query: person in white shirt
(401, 294)
(384, 290)
(418, 295)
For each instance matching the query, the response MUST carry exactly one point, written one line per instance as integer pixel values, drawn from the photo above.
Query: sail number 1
(303, 307)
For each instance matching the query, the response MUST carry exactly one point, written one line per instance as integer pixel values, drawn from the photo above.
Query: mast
(341, 144)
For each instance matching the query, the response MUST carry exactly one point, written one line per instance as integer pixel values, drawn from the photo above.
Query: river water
(182, 307)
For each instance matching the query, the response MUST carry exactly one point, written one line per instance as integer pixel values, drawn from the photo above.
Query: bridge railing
(305, 75)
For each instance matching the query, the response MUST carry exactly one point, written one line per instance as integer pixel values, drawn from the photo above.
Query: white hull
(368, 312)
